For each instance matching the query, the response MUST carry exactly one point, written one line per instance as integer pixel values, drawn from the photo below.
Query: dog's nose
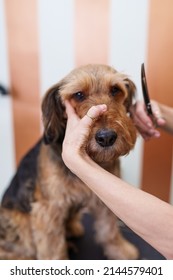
(105, 137)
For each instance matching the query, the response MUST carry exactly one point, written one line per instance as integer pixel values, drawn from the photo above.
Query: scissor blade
(145, 90)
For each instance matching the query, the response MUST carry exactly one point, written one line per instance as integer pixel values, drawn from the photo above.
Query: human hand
(147, 126)
(77, 131)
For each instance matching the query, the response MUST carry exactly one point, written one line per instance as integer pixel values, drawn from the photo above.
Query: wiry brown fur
(44, 211)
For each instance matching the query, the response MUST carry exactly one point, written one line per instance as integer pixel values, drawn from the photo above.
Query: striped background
(42, 40)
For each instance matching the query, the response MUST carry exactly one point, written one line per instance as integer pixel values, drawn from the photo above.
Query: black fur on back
(19, 194)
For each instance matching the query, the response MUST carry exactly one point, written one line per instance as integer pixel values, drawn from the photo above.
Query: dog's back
(19, 194)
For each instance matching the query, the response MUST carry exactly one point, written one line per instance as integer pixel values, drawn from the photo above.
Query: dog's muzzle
(105, 137)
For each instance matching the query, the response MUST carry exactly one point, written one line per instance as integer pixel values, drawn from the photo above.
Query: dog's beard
(124, 142)
(108, 154)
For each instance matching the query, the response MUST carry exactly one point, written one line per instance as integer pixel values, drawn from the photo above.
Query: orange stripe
(158, 153)
(91, 31)
(23, 63)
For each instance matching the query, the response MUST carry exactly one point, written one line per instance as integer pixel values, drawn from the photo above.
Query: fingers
(72, 117)
(82, 126)
(157, 114)
(141, 115)
(77, 130)
(69, 109)
(146, 125)
(94, 112)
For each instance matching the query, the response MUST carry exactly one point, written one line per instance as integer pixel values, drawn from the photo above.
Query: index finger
(69, 108)
(143, 116)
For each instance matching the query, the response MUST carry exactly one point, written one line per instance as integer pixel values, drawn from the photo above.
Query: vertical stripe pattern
(157, 161)
(43, 40)
(127, 52)
(56, 41)
(22, 34)
(7, 161)
(91, 31)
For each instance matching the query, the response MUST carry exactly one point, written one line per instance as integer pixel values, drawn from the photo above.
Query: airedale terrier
(44, 202)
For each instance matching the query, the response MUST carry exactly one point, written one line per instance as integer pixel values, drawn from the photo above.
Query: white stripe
(7, 162)
(56, 40)
(129, 20)
(4, 74)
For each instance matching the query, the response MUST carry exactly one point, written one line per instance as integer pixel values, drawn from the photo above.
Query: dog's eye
(79, 96)
(114, 90)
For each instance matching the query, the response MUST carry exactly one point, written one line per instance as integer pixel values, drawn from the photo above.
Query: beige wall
(157, 162)
(22, 37)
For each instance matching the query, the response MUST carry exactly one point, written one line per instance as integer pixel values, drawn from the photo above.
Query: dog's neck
(111, 166)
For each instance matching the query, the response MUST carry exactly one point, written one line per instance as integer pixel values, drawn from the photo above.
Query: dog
(44, 203)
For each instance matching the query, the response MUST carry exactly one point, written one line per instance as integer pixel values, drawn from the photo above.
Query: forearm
(167, 113)
(149, 217)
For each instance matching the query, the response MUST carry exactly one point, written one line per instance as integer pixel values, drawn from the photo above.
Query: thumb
(93, 113)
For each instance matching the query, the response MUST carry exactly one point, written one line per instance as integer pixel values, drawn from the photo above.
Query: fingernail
(157, 113)
(104, 107)
(157, 134)
(149, 124)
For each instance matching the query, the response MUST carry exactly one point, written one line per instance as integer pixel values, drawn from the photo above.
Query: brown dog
(43, 204)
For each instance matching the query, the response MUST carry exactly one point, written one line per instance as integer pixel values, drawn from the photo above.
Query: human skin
(148, 216)
(147, 125)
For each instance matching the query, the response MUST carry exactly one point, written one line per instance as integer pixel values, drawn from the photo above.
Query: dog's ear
(53, 116)
(131, 89)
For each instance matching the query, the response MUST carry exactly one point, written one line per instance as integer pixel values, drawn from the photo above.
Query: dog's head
(114, 133)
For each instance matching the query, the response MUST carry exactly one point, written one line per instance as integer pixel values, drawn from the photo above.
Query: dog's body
(43, 205)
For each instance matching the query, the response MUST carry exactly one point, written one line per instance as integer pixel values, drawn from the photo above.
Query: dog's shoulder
(20, 192)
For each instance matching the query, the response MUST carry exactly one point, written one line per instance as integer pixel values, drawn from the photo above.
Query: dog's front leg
(48, 231)
(108, 234)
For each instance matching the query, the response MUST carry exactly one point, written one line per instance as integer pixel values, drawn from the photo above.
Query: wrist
(167, 116)
(159, 114)
(76, 161)
(163, 109)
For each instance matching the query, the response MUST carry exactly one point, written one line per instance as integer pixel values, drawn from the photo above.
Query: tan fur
(59, 197)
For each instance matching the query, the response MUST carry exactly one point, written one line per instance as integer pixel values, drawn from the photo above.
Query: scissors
(145, 91)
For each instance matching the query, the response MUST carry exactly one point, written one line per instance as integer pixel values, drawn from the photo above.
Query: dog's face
(113, 134)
